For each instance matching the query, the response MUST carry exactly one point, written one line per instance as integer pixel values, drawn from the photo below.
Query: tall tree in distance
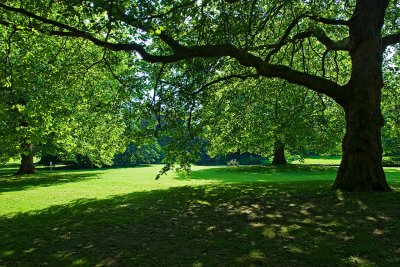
(270, 38)
(269, 118)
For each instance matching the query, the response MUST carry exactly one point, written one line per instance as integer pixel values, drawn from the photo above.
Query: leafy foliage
(135, 155)
(59, 97)
(391, 104)
(254, 117)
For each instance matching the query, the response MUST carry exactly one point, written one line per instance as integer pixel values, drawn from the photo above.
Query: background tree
(135, 155)
(261, 118)
(56, 98)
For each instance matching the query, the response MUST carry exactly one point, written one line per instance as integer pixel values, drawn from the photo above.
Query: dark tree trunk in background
(279, 154)
(27, 166)
(361, 166)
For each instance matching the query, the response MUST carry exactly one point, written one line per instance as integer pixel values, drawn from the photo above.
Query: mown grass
(319, 160)
(246, 216)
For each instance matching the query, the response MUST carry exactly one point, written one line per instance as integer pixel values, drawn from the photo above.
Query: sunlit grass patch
(324, 160)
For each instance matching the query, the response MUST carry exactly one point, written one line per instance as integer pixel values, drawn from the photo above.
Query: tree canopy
(57, 99)
(335, 48)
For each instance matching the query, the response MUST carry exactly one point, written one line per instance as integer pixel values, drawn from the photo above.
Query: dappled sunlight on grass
(354, 260)
(243, 224)
(47, 188)
(16, 183)
(244, 216)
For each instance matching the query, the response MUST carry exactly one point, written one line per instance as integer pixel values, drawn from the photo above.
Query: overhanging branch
(317, 33)
(331, 45)
(390, 39)
(330, 21)
(284, 38)
(181, 52)
(315, 83)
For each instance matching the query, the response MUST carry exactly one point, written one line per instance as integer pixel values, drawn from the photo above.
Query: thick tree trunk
(361, 166)
(279, 154)
(27, 166)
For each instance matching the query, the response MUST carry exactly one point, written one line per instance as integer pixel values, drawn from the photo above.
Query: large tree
(52, 102)
(264, 36)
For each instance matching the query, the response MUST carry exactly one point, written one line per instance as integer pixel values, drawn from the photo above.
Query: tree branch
(330, 21)
(6, 23)
(318, 33)
(390, 39)
(282, 41)
(341, 45)
(181, 52)
(226, 78)
(315, 83)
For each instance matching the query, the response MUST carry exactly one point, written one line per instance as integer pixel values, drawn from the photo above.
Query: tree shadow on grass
(10, 182)
(76, 168)
(214, 225)
(8, 169)
(45, 177)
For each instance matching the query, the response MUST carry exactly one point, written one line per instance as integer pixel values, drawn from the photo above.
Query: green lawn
(328, 160)
(246, 216)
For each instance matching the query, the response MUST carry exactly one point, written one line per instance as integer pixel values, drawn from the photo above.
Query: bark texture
(279, 154)
(361, 166)
(27, 166)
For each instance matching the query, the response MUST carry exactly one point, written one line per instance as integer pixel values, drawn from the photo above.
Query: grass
(33, 193)
(327, 160)
(246, 216)
(392, 161)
